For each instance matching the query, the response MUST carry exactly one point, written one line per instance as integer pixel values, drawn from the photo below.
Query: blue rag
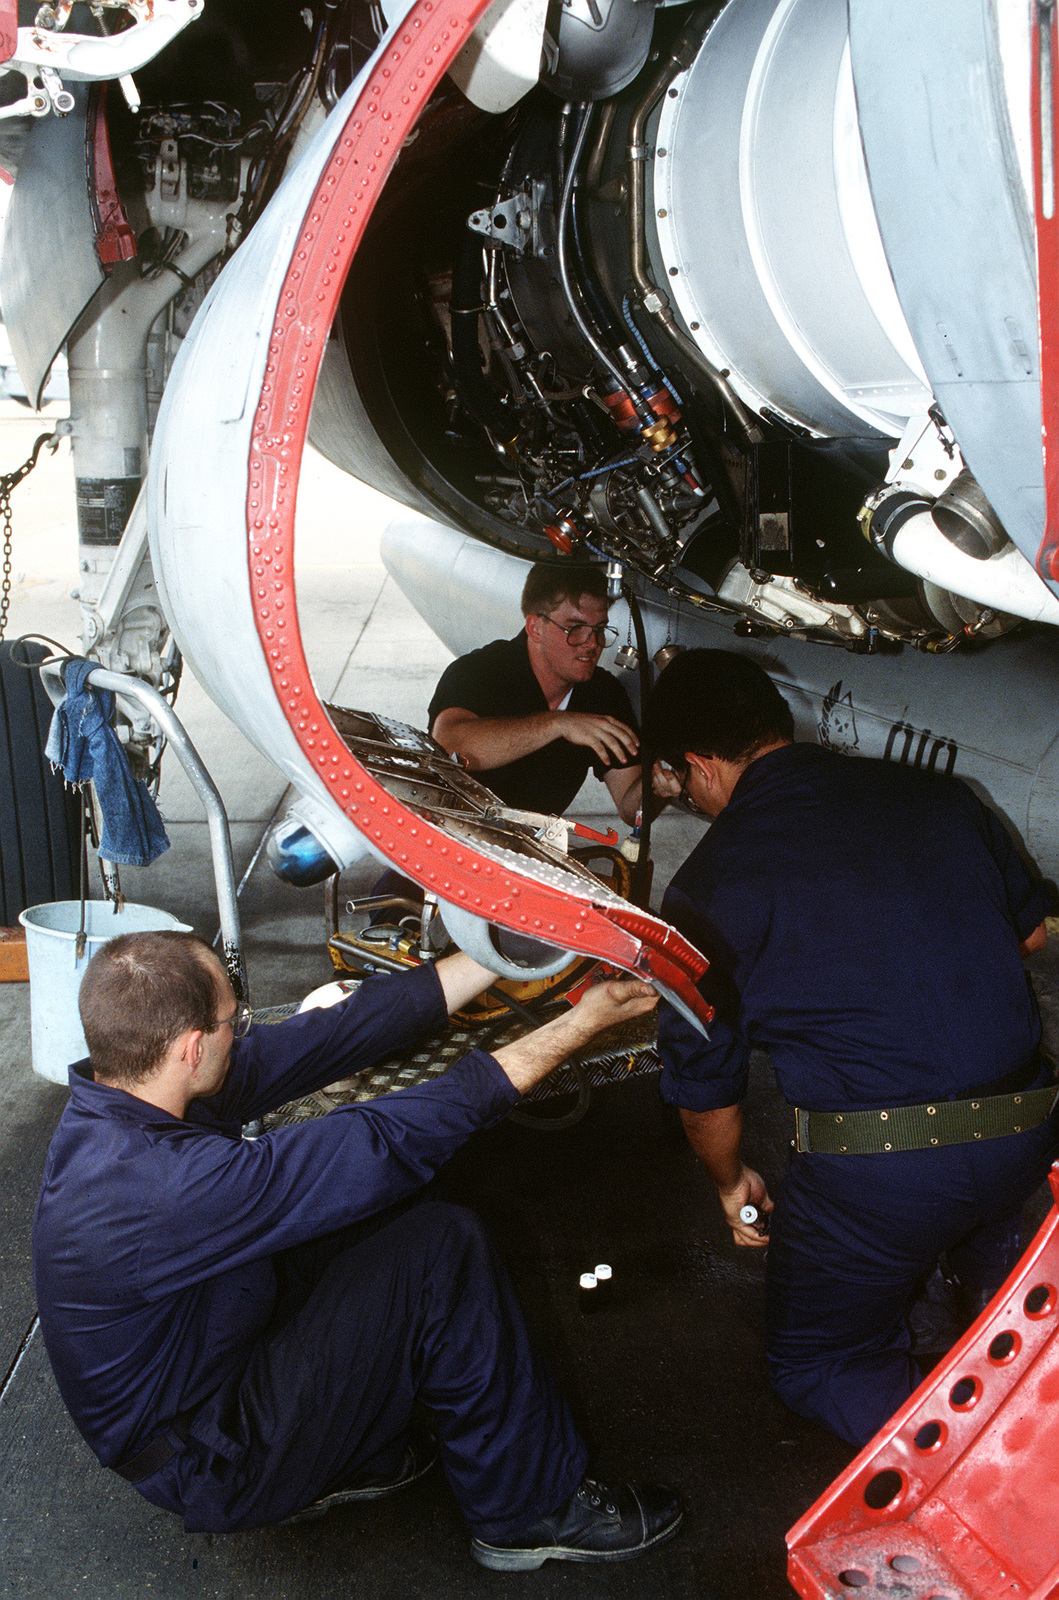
(85, 746)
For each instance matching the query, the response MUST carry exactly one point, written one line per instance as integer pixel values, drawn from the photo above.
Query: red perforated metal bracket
(115, 239)
(404, 75)
(956, 1495)
(8, 28)
(1045, 120)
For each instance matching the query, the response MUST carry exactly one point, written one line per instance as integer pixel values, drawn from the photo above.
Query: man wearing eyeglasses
(241, 1327)
(530, 715)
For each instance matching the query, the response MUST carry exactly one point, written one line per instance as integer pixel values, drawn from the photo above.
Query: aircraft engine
(741, 298)
(661, 325)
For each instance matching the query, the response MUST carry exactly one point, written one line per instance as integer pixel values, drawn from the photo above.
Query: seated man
(864, 921)
(241, 1327)
(530, 715)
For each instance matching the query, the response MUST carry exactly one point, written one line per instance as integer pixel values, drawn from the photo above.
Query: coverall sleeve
(1027, 894)
(218, 1203)
(277, 1062)
(697, 1073)
(466, 684)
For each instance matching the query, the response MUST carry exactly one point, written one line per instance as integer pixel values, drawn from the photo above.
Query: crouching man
(241, 1328)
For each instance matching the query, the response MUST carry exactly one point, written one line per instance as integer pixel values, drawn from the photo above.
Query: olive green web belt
(920, 1127)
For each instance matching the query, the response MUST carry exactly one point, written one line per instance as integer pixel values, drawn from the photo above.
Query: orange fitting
(564, 535)
(622, 408)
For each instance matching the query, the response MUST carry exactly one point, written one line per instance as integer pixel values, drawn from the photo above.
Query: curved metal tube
(643, 411)
(204, 786)
(472, 935)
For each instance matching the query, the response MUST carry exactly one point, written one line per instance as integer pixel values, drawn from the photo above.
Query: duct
(1005, 581)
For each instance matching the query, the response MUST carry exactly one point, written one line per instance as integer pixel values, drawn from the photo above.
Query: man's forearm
(715, 1137)
(462, 979)
(530, 1059)
(488, 742)
(626, 792)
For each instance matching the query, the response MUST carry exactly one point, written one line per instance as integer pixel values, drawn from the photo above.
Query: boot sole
(497, 1559)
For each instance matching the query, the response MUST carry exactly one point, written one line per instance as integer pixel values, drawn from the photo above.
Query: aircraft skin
(466, 287)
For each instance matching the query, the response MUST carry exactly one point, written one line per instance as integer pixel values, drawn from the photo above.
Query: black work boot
(599, 1522)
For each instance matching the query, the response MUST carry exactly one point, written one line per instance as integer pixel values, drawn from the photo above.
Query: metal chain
(9, 481)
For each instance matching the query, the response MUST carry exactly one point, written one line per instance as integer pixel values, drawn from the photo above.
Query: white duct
(1005, 581)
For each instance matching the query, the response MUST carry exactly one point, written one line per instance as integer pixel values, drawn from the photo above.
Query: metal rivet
(838, 1119)
(887, 1146)
(930, 1111)
(884, 1116)
(978, 1135)
(975, 1105)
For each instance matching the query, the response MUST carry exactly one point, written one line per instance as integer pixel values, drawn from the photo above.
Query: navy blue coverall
(863, 922)
(265, 1301)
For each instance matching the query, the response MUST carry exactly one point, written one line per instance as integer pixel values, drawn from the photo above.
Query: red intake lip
(405, 72)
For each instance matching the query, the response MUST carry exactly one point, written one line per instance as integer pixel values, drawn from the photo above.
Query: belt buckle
(801, 1131)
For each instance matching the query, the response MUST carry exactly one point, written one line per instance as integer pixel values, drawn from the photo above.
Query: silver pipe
(220, 839)
(644, 412)
(594, 169)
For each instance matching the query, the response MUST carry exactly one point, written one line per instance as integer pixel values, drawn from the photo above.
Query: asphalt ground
(667, 1383)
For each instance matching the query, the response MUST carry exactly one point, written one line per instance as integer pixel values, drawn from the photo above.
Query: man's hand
(612, 741)
(749, 1190)
(715, 1138)
(530, 1059)
(610, 1002)
(665, 783)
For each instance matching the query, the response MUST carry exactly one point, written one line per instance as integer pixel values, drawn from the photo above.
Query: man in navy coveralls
(530, 715)
(864, 922)
(241, 1327)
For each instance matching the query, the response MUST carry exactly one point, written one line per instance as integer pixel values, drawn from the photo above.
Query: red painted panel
(8, 28)
(115, 239)
(1048, 287)
(973, 1460)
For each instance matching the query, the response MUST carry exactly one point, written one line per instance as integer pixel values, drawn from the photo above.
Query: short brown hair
(549, 583)
(139, 993)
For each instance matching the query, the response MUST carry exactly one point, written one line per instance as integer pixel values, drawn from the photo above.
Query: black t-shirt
(498, 681)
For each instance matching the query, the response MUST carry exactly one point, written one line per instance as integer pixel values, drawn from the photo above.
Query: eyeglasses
(684, 798)
(239, 1021)
(579, 633)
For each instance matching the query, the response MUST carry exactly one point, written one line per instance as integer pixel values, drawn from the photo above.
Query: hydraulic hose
(641, 876)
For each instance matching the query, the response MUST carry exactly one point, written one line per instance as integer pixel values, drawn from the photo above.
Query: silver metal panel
(197, 486)
(49, 269)
(341, 430)
(949, 195)
(760, 194)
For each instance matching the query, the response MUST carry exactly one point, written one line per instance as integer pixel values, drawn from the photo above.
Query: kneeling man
(530, 715)
(865, 922)
(241, 1327)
